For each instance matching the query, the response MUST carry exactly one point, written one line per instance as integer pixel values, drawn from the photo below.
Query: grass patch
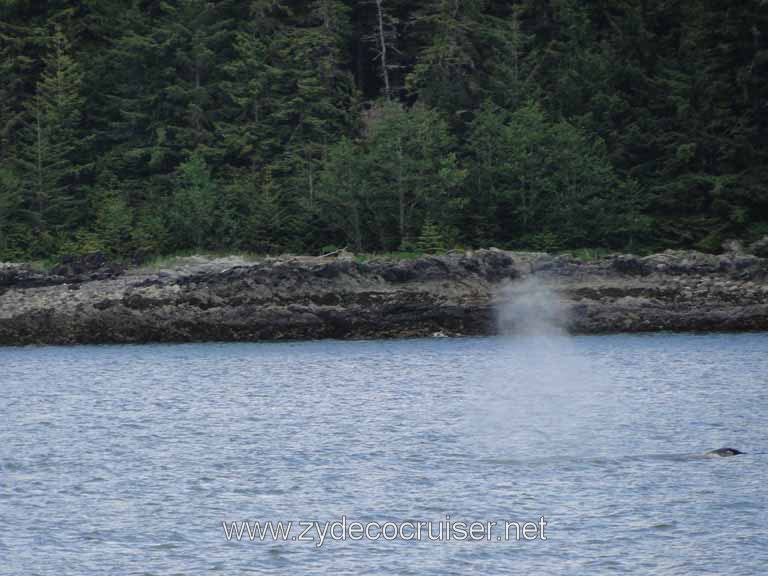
(588, 254)
(368, 256)
(185, 258)
(45, 265)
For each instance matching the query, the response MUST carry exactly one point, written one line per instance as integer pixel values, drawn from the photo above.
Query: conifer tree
(252, 81)
(14, 234)
(17, 63)
(431, 239)
(48, 163)
(270, 224)
(412, 168)
(192, 210)
(195, 33)
(444, 74)
(544, 176)
(127, 81)
(343, 192)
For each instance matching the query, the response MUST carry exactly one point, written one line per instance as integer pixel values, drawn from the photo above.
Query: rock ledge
(308, 298)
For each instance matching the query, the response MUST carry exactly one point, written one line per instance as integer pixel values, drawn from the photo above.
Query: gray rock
(759, 248)
(306, 298)
(630, 266)
(733, 246)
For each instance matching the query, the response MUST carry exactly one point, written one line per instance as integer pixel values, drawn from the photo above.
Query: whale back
(724, 452)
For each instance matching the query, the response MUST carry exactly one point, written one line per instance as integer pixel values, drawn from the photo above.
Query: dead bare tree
(384, 39)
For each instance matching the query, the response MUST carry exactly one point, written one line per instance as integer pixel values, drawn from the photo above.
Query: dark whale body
(724, 452)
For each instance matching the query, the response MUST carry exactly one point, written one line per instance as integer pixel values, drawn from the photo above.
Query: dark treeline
(145, 126)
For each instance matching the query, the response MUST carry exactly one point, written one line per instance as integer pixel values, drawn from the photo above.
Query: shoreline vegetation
(195, 298)
(143, 128)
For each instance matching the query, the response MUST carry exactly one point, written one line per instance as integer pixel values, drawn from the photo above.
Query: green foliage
(544, 176)
(443, 74)
(193, 203)
(542, 242)
(431, 239)
(114, 223)
(589, 254)
(47, 161)
(150, 235)
(81, 242)
(269, 224)
(142, 128)
(344, 193)
(14, 234)
(377, 191)
(412, 170)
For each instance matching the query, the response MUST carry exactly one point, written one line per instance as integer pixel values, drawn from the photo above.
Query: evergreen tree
(192, 210)
(253, 77)
(470, 51)
(14, 234)
(17, 69)
(318, 97)
(413, 170)
(344, 194)
(270, 224)
(195, 34)
(150, 234)
(431, 239)
(127, 76)
(114, 223)
(445, 73)
(543, 176)
(47, 162)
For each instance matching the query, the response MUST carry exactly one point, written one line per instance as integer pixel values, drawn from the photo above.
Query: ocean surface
(134, 459)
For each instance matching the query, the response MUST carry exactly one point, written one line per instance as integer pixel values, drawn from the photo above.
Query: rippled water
(127, 459)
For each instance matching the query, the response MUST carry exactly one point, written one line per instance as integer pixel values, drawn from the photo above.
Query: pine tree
(17, 63)
(126, 78)
(114, 222)
(444, 74)
(47, 162)
(14, 233)
(544, 176)
(250, 137)
(194, 33)
(470, 51)
(192, 210)
(343, 192)
(431, 239)
(318, 98)
(269, 225)
(413, 169)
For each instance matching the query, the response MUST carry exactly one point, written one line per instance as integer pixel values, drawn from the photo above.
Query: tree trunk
(383, 48)
(39, 164)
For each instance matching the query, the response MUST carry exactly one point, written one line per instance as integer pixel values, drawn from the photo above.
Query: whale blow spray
(530, 308)
(537, 392)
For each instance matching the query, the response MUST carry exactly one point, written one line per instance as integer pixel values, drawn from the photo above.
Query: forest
(146, 127)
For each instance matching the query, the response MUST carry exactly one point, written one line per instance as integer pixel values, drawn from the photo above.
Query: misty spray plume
(537, 392)
(530, 308)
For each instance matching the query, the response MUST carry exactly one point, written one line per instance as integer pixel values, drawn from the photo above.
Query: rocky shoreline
(289, 298)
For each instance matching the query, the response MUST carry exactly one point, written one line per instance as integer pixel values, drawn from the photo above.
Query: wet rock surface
(305, 298)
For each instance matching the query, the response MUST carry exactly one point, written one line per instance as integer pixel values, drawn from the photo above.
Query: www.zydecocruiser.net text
(343, 530)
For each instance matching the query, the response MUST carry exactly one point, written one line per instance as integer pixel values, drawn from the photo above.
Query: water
(127, 459)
